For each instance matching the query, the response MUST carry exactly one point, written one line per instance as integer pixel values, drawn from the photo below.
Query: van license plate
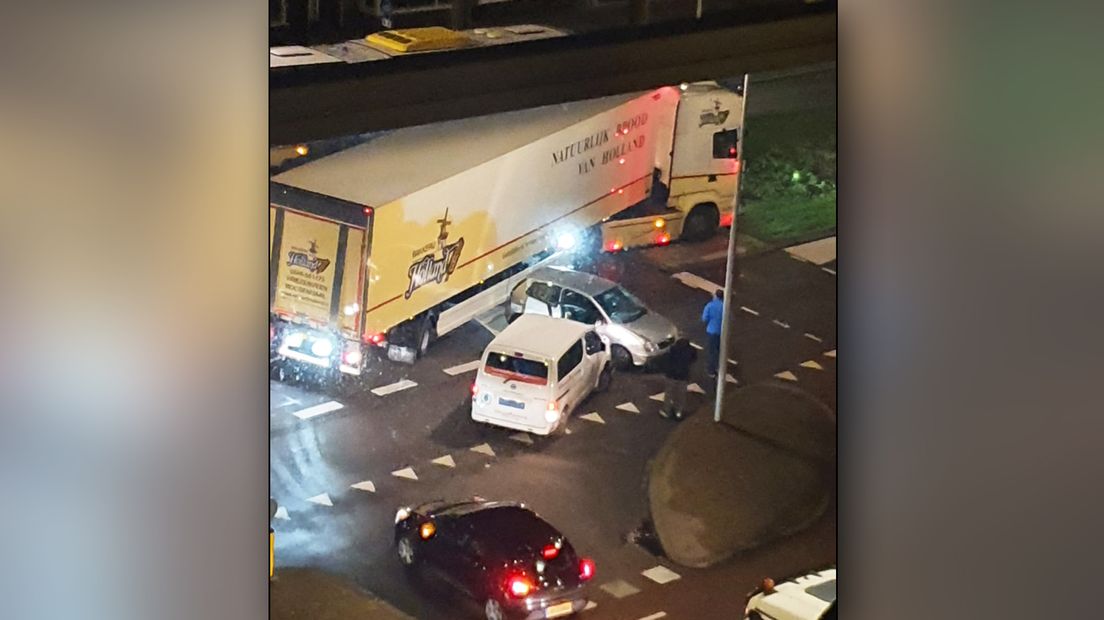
(556, 611)
(506, 402)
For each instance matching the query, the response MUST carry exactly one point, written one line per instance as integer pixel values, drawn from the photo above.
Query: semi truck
(403, 238)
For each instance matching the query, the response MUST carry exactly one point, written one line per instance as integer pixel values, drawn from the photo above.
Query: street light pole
(726, 317)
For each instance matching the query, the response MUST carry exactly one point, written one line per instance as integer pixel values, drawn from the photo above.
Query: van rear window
(516, 368)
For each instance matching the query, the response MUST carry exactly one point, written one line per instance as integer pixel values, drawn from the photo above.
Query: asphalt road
(590, 482)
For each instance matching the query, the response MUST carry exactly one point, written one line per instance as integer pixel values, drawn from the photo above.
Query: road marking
(818, 252)
(523, 438)
(656, 616)
(592, 417)
(460, 369)
(282, 513)
(812, 364)
(813, 338)
(749, 310)
(310, 412)
(619, 588)
(631, 408)
(660, 396)
(730, 379)
(694, 387)
(484, 448)
(661, 574)
(407, 473)
(696, 346)
(787, 375)
(732, 361)
(780, 324)
(445, 460)
(827, 270)
(398, 386)
(694, 281)
(590, 605)
(364, 486)
(321, 499)
(831, 353)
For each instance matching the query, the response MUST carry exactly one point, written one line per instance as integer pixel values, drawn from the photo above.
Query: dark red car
(511, 561)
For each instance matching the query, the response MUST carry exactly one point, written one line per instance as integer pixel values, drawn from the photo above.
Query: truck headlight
(322, 347)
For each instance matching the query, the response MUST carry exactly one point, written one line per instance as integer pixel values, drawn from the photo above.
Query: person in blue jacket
(711, 316)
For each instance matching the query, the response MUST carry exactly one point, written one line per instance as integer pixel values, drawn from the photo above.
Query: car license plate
(556, 611)
(506, 402)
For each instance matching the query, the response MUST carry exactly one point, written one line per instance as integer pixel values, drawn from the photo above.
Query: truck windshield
(517, 369)
(620, 305)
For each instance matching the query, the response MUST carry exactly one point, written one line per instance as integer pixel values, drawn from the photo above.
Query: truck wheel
(702, 223)
(622, 359)
(426, 333)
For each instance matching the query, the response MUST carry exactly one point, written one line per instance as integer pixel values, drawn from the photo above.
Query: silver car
(636, 334)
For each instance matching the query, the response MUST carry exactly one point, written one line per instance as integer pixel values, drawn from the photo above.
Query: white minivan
(537, 372)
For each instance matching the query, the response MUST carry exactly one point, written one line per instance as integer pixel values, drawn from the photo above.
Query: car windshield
(620, 305)
(517, 368)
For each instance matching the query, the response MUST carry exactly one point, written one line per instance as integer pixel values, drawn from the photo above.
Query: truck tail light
(352, 357)
(586, 568)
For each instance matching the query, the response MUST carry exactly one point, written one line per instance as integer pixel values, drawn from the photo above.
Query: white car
(537, 372)
(809, 597)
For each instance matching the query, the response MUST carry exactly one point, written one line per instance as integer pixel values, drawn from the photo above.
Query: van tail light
(552, 413)
(519, 587)
(586, 568)
(553, 405)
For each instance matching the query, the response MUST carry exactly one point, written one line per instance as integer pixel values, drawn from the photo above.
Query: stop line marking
(460, 369)
(398, 386)
(317, 410)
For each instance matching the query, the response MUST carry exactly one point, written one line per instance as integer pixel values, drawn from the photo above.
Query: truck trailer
(401, 239)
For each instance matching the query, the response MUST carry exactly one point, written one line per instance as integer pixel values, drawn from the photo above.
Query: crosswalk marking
(780, 324)
(484, 448)
(522, 438)
(406, 472)
(281, 513)
(787, 375)
(631, 408)
(593, 417)
(445, 461)
(829, 271)
(749, 310)
(364, 486)
(696, 346)
(661, 574)
(321, 499)
(316, 410)
(398, 386)
(812, 364)
(656, 616)
(460, 369)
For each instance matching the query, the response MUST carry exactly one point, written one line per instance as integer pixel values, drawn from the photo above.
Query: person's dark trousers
(714, 352)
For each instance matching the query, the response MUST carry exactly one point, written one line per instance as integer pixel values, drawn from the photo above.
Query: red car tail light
(550, 552)
(519, 587)
(586, 568)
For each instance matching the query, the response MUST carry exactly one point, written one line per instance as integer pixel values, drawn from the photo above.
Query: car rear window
(516, 368)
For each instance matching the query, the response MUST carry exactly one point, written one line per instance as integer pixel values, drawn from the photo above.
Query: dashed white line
(749, 310)
(780, 324)
(460, 369)
(317, 410)
(696, 346)
(661, 574)
(445, 461)
(406, 472)
(484, 448)
(322, 499)
(398, 386)
(813, 338)
(656, 616)
(831, 271)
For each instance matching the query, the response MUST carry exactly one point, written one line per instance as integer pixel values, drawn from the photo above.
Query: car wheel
(702, 223)
(492, 609)
(604, 379)
(622, 359)
(406, 552)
